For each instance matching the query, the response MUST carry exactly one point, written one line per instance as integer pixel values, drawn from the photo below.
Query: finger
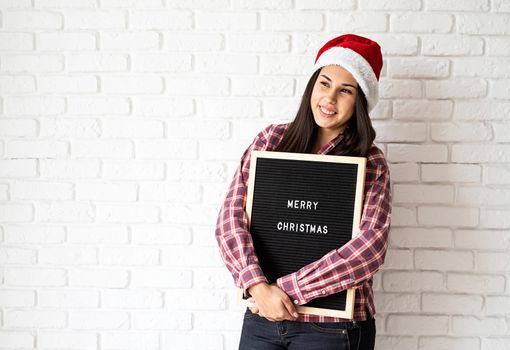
(290, 308)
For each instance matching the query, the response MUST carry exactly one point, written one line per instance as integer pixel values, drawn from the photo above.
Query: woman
(333, 118)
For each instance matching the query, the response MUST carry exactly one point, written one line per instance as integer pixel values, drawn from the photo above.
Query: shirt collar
(331, 144)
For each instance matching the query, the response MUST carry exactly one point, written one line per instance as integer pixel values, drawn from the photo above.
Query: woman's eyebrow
(344, 84)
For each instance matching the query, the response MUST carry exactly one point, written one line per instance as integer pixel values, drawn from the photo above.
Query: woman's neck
(323, 138)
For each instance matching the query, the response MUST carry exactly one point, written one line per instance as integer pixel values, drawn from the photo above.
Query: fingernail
(295, 314)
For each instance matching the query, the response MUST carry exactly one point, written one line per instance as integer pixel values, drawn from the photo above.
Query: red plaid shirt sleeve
(232, 233)
(352, 264)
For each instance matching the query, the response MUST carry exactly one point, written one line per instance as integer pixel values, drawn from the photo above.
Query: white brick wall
(122, 122)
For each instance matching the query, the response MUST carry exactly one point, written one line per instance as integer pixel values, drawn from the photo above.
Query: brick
(444, 260)
(162, 107)
(226, 63)
(451, 45)
(265, 4)
(33, 234)
(15, 3)
(215, 278)
(69, 128)
(60, 41)
(417, 153)
(196, 256)
(417, 325)
(132, 85)
(67, 255)
(161, 278)
(437, 194)
(497, 305)
(34, 190)
(94, 62)
(161, 63)
(98, 105)
(118, 192)
(495, 343)
(69, 168)
(149, 235)
(37, 105)
(480, 110)
(132, 3)
(398, 259)
(291, 21)
(59, 298)
(129, 40)
(260, 86)
(94, 20)
(170, 192)
(482, 239)
(451, 5)
(165, 149)
(445, 343)
(396, 342)
(133, 170)
(94, 320)
(397, 302)
(18, 128)
(313, 5)
(482, 67)
(421, 22)
(161, 320)
(494, 174)
(97, 235)
(201, 340)
(113, 149)
(285, 64)
(174, 20)
(480, 153)
(400, 88)
(98, 278)
(480, 24)
(226, 321)
(31, 277)
(501, 132)
(456, 88)
(127, 213)
(452, 303)
(422, 110)
(364, 21)
(412, 281)
(448, 216)
(32, 63)
(66, 339)
(64, 211)
(132, 128)
(482, 196)
(17, 42)
(421, 237)
(497, 46)
(231, 21)
(128, 256)
(470, 325)
(418, 68)
(450, 173)
(66, 84)
(34, 319)
(390, 5)
(235, 108)
(201, 300)
(402, 216)
(490, 262)
(17, 298)
(17, 339)
(206, 130)
(131, 299)
(403, 172)
(30, 20)
(394, 44)
(389, 131)
(191, 41)
(462, 132)
(11, 212)
(475, 283)
(17, 84)
(499, 89)
(130, 340)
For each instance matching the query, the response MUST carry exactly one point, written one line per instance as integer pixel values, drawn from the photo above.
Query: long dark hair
(301, 135)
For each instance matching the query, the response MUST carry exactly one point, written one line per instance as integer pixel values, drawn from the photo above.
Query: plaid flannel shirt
(349, 266)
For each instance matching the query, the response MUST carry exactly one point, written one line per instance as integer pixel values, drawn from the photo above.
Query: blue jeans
(258, 333)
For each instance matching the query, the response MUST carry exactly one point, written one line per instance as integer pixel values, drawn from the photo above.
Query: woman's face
(333, 99)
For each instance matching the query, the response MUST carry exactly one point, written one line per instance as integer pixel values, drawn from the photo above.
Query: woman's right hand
(272, 302)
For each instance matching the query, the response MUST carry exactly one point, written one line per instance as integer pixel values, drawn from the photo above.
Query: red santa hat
(360, 56)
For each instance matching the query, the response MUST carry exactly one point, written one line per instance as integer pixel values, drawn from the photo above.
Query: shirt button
(296, 301)
(323, 292)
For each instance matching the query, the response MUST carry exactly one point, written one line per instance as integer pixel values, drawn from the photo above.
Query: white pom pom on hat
(360, 56)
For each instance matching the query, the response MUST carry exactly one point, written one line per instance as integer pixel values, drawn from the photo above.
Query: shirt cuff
(249, 276)
(289, 285)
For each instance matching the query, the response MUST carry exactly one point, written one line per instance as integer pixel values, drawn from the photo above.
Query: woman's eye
(347, 90)
(324, 83)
